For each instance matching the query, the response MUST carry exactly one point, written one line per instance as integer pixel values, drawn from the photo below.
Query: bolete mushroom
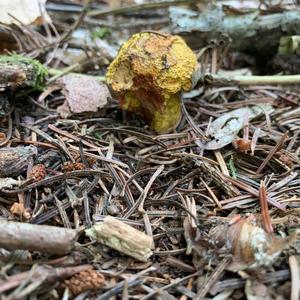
(148, 75)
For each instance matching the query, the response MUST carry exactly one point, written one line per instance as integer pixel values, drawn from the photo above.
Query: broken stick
(122, 237)
(43, 238)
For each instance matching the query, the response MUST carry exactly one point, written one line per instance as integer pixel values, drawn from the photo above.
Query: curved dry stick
(295, 276)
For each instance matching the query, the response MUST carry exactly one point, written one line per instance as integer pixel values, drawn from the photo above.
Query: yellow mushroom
(148, 74)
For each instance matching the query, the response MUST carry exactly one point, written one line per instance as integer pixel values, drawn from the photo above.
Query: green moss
(101, 33)
(35, 71)
(232, 167)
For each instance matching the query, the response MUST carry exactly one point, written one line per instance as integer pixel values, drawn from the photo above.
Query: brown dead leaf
(84, 94)
(250, 245)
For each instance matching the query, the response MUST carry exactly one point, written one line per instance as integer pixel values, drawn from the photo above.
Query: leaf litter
(186, 214)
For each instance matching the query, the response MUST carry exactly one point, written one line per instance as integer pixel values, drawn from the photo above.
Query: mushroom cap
(148, 74)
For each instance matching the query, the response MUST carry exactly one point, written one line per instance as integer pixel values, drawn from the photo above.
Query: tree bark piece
(122, 237)
(199, 28)
(14, 160)
(43, 238)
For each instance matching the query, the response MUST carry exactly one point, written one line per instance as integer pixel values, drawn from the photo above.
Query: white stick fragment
(122, 237)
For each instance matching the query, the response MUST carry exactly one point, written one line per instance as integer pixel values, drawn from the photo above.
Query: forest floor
(217, 197)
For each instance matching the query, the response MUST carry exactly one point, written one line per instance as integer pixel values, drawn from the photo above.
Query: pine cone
(38, 172)
(77, 157)
(72, 166)
(84, 281)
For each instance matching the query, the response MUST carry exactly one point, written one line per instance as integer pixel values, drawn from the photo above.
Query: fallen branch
(198, 29)
(46, 239)
(138, 7)
(228, 79)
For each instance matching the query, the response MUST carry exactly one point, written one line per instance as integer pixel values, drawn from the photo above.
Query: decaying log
(11, 75)
(43, 238)
(253, 33)
(122, 237)
(19, 71)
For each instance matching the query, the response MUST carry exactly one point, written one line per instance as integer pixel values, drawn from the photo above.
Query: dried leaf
(248, 243)
(226, 128)
(83, 94)
(25, 11)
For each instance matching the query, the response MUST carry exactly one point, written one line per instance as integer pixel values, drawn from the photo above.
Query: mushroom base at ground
(148, 75)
